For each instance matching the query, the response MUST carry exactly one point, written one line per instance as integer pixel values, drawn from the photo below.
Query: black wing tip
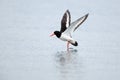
(67, 11)
(87, 15)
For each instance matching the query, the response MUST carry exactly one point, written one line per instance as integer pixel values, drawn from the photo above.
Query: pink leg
(68, 46)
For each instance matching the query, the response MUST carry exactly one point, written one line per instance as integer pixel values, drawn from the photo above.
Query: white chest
(65, 37)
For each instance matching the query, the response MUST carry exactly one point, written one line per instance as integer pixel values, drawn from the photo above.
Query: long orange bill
(52, 34)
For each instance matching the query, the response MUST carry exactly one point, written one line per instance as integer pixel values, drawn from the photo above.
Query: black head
(57, 33)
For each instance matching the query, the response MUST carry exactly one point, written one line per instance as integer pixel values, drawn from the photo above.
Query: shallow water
(28, 53)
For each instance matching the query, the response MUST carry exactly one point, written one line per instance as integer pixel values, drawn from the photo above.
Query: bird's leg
(68, 46)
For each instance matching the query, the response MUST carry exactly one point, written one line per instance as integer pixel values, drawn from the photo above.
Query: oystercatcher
(67, 28)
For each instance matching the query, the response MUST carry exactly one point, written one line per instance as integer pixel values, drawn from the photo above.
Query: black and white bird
(67, 28)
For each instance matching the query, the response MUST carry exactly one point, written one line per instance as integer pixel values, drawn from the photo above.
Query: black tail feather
(75, 44)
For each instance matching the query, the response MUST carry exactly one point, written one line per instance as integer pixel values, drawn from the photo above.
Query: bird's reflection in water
(66, 57)
(68, 64)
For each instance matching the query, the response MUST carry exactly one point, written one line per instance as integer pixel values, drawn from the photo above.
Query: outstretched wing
(74, 25)
(65, 22)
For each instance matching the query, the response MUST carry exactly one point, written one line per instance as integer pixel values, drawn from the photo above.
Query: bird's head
(57, 33)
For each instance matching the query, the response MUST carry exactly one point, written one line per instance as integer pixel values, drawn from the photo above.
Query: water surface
(28, 53)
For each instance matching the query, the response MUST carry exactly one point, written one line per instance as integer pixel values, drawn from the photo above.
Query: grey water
(28, 53)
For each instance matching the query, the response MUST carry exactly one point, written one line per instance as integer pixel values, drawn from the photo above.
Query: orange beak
(52, 34)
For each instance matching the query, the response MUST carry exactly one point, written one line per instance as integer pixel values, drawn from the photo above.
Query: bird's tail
(75, 44)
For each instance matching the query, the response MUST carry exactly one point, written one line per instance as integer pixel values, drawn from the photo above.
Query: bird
(67, 28)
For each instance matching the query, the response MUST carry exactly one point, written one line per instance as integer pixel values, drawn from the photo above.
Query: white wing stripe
(68, 19)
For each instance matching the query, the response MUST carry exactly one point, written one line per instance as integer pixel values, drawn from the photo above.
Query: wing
(65, 22)
(74, 25)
